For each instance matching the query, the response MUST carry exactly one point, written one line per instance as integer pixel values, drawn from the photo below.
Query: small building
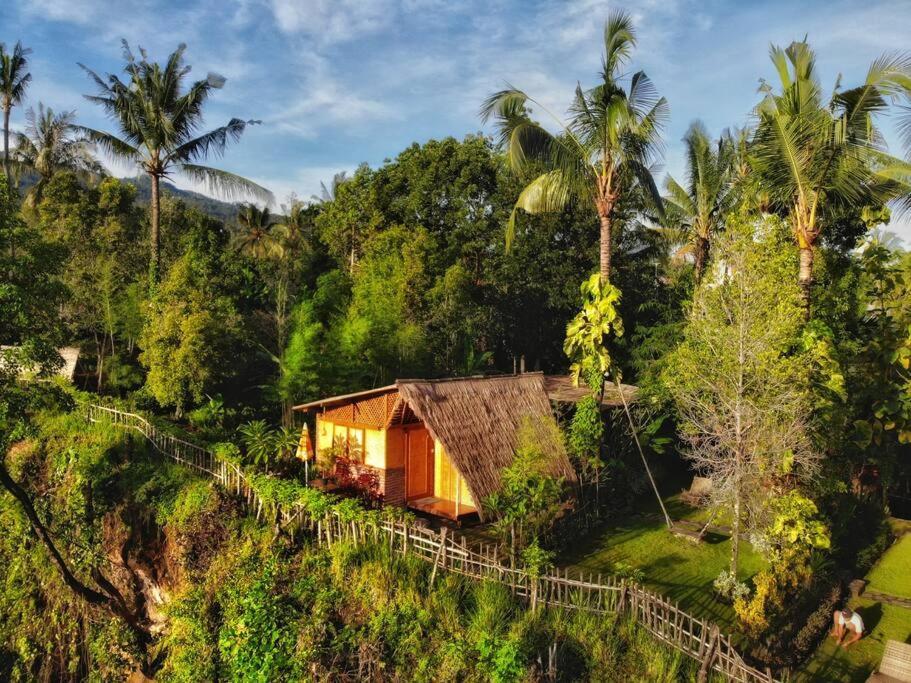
(67, 370)
(436, 445)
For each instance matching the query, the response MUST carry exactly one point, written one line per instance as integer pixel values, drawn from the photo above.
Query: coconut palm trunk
(6, 113)
(154, 232)
(805, 276)
(700, 255)
(605, 245)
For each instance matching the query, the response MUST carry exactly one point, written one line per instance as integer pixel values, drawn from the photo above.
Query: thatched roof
(560, 388)
(476, 420)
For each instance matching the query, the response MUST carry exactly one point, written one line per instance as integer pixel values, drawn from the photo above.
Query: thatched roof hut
(441, 445)
(477, 420)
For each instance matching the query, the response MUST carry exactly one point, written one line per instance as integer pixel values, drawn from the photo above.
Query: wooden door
(419, 464)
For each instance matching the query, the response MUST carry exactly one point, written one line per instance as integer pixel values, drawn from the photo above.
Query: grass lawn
(674, 567)
(883, 622)
(892, 574)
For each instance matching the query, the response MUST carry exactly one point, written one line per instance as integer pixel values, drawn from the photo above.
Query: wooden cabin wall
(394, 480)
(448, 484)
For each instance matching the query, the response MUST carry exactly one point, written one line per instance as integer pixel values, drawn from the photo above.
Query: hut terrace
(439, 446)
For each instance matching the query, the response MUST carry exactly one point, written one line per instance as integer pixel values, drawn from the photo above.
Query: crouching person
(847, 623)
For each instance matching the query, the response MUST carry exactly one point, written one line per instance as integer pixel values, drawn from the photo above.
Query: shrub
(627, 571)
(817, 624)
(868, 556)
(729, 588)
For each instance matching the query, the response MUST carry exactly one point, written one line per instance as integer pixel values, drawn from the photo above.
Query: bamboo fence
(447, 551)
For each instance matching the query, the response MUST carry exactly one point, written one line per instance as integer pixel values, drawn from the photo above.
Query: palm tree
(259, 441)
(327, 194)
(159, 124)
(699, 208)
(14, 80)
(603, 152)
(811, 154)
(259, 235)
(50, 144)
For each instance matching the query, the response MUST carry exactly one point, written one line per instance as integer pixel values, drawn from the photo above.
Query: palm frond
(619, 42)
(679, 197)
(546, 193)
(110, 144)
(214, 142)
(226, 184)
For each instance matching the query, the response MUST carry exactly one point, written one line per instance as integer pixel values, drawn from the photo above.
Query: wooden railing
(694, 637)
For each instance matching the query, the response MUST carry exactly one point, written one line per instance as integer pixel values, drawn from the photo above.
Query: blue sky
(341, 82)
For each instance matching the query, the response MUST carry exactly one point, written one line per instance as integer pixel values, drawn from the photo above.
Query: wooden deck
(443, 508)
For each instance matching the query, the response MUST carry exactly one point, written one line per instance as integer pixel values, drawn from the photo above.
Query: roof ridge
(441, 380)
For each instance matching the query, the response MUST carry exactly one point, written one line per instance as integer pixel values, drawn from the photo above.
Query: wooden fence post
(441, 552)
(708, 656)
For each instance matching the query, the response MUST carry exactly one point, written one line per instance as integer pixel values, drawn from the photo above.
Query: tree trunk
(6, 112)
(9, 179)
(805, 277)
(154, 235)
(605, 245)
(700, 253)
(99, 345)
(735, 533)
(110, 599)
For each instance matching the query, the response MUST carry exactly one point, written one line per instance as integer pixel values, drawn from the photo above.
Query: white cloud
(333, 21)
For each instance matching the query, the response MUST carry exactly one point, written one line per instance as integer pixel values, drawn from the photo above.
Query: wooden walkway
(694, 637)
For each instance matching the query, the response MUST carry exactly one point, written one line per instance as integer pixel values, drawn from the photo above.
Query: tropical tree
(699, 208)
(50, 144)
(14, 80)
(159, 124)
(602, 152)
(259, 440)
(191, 332)
(327, 194)
(258, 236)
(813, 154)
(739, 389)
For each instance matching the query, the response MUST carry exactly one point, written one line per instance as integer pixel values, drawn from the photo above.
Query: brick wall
(392, 483)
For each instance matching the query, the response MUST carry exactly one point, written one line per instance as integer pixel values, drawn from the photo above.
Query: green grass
(853, 665)
(892, 574)
(674, 567)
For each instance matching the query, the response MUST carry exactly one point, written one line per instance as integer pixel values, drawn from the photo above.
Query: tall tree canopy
(14, 81)
(604, 150)
(699, 208)
(160, 126)
(50, 144)
(814, 154)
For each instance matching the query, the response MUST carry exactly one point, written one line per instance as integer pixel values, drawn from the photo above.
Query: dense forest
(759, 303)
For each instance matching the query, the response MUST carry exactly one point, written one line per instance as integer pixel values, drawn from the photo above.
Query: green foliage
(587, 335)
(259, 441)
(188, 340)
(740, 389)
(382, 330)
(586, 432)
(536, 559)
(794, 532)
(796, 523)
(302, 362)
(529, 497)
(257, 638)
